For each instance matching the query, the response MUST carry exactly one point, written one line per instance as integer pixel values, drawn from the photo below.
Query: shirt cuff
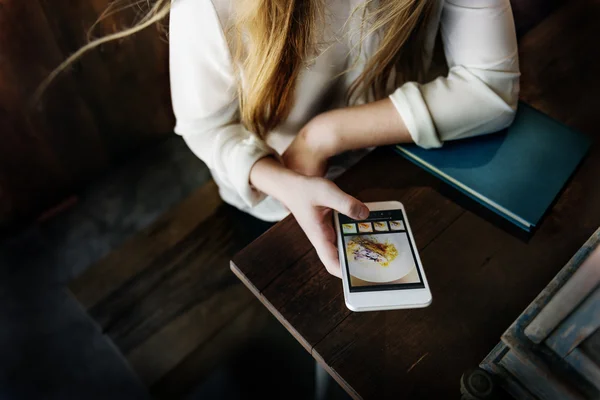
(241, 162)
(414, 112)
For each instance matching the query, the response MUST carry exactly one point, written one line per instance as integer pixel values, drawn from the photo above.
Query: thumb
(333, 197)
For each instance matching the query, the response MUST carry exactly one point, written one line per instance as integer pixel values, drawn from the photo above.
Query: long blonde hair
(282, 35)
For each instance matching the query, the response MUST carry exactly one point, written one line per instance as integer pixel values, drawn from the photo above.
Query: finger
(326, 227)
(333, 197)
(331, 238)
(326, 250)
(328, 255)
(332, 263)
(329, 230)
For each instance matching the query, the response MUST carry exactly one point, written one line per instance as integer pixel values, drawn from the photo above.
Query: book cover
(517, 172)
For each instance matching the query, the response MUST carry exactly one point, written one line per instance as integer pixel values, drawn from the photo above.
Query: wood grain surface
(167, 298)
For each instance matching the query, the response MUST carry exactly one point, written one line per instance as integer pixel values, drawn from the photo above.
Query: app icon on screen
(397, 225)
(349, 228)
(381, 226)
(365, 227)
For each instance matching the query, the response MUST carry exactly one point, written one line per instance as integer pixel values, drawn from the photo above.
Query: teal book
(517, 173)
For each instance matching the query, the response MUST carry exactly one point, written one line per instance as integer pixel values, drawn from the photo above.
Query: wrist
(269, 176)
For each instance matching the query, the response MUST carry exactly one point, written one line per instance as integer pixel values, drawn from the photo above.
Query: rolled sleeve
(480, 93)
(236, 158)
(204, 96)
(414, 112)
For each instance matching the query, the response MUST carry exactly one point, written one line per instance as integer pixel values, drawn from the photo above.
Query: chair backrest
(109, 104)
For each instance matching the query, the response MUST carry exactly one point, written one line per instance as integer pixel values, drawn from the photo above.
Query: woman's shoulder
(203, 15)
(222, 8)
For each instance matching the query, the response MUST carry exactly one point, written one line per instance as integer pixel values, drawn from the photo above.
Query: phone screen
(379, 253)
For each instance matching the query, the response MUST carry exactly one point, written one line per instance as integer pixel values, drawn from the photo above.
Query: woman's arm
(373, 124)
(310, 200)
(204, 96)
(204, 100)
(479, 95)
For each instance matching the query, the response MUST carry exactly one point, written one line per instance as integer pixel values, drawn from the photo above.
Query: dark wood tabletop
(483, 272)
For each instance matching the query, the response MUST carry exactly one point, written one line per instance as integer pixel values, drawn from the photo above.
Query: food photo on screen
(380, 259)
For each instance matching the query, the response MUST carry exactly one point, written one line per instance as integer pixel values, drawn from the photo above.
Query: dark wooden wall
(528, 13)
(107, 106)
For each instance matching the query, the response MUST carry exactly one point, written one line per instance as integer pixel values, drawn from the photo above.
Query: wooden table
(482, 272)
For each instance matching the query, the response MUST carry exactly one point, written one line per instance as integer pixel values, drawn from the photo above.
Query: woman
(276, 95)
(252, 83)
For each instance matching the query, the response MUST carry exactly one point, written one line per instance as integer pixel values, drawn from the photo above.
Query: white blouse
(478, 95)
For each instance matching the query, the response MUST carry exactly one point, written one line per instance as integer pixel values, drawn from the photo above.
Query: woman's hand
(310, 200)
(312, 147)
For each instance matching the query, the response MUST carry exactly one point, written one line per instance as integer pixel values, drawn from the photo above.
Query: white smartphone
(381, 268)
